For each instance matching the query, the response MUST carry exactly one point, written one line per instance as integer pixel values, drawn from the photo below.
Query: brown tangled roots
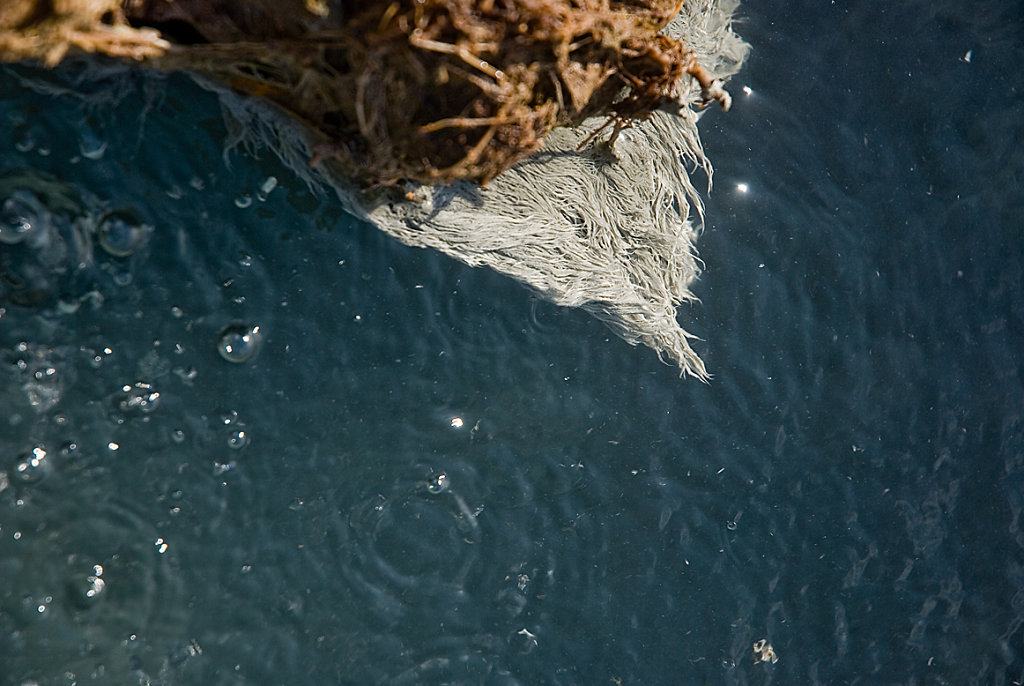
(426, 90)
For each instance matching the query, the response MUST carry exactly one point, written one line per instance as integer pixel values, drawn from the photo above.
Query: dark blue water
(425, 476)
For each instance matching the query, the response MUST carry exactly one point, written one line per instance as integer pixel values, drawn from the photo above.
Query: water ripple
(98, 588)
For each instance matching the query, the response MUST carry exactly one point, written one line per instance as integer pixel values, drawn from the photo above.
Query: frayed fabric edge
(609, 228)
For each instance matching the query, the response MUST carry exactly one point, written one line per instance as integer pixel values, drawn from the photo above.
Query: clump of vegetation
(424, 90)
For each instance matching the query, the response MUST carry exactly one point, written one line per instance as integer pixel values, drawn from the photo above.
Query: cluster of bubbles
(40, 376)
(244, 200)
(31, 467)
(85, 590)
(37, 244)
(237, 437)
(136, 399)
(65, 252)
(48, 230)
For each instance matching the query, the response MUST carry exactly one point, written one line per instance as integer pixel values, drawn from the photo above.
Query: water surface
(413, 472)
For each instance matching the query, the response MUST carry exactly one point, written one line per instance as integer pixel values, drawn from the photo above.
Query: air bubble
(25, 143)
(239, 343)
(268, 185)
(68, 306)
(238, 439)
(242, 201)
(121, 233)
(438, 484)
(19, 215)
(31, 466)
(91, 146)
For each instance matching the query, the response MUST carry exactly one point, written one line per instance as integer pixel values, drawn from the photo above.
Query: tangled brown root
(47, 30)
(438, 90)
(425, 90)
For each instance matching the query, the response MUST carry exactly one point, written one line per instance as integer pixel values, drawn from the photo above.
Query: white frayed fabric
(608, 229)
